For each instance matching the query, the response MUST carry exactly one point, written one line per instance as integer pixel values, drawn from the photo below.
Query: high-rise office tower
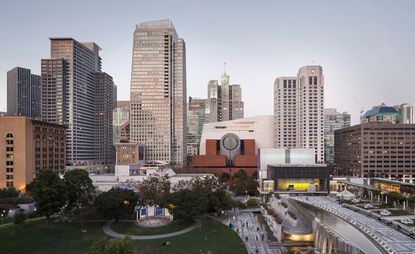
(158, 92)
(195, 119)
(224, 101)
(23, 93)
(333, 120)
(286, 113)
(75, 93)
(298, 111)
(121, 122)
(104, 105)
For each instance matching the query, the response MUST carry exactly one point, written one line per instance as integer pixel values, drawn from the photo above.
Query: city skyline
(359, 69)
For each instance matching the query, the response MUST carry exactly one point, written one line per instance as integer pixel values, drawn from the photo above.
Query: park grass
(131, 228)
(40, 237)
(212, 236)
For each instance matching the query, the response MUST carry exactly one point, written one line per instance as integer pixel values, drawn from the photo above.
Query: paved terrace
(251, 233)
(392, 240)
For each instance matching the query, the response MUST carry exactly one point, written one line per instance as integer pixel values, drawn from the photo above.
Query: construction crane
(360, 107)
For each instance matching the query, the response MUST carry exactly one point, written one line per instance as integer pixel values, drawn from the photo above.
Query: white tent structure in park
(345, 195)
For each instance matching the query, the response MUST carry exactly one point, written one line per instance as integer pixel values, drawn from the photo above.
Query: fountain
(327, 241)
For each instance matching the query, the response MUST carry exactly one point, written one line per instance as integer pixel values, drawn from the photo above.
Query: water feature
(334, 235)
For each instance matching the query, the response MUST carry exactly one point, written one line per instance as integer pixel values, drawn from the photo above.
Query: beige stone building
(27, 146)
(129, 153)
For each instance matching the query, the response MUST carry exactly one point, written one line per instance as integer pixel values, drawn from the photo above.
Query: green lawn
(40, 237)
(132, 229)
(213, 236)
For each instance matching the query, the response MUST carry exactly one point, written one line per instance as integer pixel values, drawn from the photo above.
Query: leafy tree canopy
(184, 204)
(116, 203)
(80, 187)
(49, 192)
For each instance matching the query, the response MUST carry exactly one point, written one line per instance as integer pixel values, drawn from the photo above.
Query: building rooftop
(386, 110)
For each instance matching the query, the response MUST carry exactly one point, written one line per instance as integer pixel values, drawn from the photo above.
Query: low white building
(125, 173)
(281, 156)
(259, 128)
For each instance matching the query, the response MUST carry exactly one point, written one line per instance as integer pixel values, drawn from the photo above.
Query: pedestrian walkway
(251, 233)
(108, 230)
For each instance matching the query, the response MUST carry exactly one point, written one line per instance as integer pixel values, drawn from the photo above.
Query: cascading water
(326, 241)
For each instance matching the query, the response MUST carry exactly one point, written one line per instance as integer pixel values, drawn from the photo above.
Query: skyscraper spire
(224, 67)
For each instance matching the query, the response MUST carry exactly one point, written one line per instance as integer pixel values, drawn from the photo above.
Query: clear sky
(366, 48)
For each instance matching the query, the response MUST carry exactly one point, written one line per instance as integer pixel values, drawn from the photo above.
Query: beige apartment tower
(29, 146)
(158, 92)
(298, 111)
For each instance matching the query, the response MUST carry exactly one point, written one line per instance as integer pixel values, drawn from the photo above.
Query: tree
(105, 246)
(203, 186)
(239, 176)
(225, 177)
(219, 200)
(49, 192)
(9, 193)
(153, 190)
(395, 196)
(185, 204)
(245, 186)
(80, 187)
(116, 203)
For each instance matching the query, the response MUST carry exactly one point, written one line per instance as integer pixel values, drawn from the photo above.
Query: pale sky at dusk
(366, 48)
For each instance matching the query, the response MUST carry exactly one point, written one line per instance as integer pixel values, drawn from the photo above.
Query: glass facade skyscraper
(195, 119)
(158, 92)
(23, 93)
(333, 120)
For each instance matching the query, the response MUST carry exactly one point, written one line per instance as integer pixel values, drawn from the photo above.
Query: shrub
(19, 218)
(284, 204)
(252, 202)
(239, 204)
(9, 193)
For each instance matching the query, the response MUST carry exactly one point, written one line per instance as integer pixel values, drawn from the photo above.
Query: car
(355, 200)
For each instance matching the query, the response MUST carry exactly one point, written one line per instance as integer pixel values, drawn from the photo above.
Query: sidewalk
(108, 230)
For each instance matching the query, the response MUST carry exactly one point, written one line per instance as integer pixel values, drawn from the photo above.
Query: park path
(108, 230)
